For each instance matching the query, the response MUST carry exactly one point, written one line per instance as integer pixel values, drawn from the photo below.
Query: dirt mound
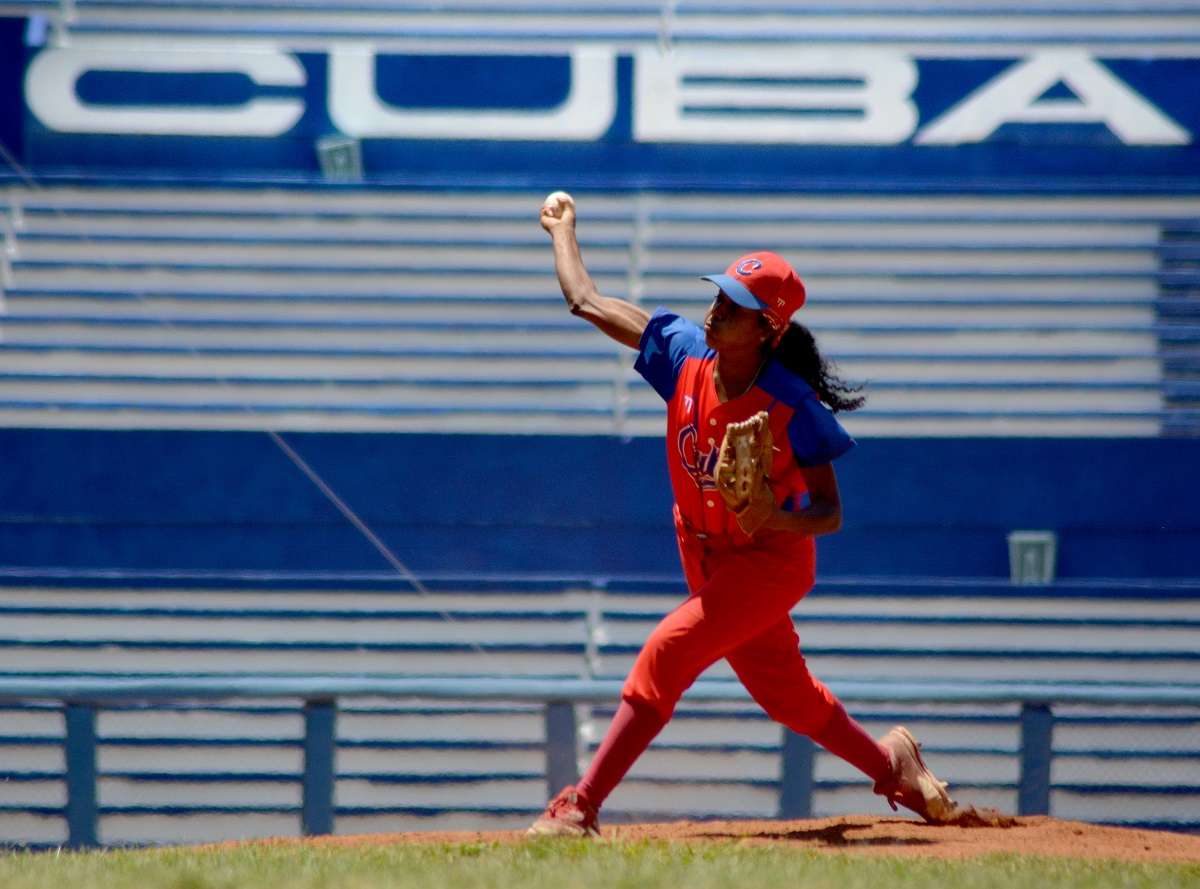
(978, 833)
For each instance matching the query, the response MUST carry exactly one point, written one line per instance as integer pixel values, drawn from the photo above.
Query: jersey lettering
(700, 465)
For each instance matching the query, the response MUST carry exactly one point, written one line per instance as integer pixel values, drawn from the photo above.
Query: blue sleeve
(815, 434)
(667, 340)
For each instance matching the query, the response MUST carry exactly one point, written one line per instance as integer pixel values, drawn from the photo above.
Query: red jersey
(676, 361)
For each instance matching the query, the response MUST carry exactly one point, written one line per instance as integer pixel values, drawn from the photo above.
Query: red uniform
(742, 588)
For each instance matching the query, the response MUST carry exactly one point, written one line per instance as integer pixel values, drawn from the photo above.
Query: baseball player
(745, 570)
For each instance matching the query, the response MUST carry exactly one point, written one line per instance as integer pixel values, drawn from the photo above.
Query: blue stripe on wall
(150, 499)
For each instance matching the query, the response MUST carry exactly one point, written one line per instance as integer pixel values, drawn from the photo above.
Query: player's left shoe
(567, 815)
(911, 784)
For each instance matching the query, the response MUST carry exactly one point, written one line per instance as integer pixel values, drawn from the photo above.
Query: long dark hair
(797, 351)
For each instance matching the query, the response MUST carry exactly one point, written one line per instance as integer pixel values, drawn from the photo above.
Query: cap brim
(736, 291)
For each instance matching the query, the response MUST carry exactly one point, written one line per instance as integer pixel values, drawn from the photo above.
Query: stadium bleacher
(170, 772)
(315, 309)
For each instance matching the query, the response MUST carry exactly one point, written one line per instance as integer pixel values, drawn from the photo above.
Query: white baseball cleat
(911, 784)
(567, 815)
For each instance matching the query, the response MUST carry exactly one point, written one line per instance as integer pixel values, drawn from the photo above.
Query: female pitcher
(744, 572)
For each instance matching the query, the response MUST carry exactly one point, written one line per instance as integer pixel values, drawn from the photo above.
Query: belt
(709, 536)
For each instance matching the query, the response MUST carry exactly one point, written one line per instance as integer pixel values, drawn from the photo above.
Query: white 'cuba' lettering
(585, 114)
(874, 108)
(51, 96)
(825, 97)
(1013, 97)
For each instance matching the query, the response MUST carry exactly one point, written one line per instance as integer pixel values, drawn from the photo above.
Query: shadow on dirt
(834, 835)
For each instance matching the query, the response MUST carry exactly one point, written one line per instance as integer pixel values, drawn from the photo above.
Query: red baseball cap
(763, 281)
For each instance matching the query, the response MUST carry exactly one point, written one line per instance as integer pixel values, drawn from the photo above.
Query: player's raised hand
(558, 210)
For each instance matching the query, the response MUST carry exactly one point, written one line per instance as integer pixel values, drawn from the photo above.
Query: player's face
(730, 326)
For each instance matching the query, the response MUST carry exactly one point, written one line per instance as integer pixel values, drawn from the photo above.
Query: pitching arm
(618, 318)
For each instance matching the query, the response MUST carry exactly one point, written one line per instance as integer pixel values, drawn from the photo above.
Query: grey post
(82, 812)
(1037, 732)
(796, 784)
(562, 767)
(320, 717)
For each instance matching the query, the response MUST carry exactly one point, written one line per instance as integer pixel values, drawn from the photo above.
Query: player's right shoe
(567, 815)
(911, 784)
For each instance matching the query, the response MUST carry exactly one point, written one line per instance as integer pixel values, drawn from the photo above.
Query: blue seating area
(852, 629)
(311, 309)
(181, 771)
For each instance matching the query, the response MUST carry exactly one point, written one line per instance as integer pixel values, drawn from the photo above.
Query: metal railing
(83, 697)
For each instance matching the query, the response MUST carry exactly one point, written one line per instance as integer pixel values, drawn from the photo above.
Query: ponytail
(797, 351)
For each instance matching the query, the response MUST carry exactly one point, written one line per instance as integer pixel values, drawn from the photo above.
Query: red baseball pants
(738, 610)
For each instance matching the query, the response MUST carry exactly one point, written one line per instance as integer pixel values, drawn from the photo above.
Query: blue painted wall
(890, 149)
(152, 500)
(12, 65)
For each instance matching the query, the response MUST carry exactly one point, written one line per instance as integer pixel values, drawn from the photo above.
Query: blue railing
(82, 697)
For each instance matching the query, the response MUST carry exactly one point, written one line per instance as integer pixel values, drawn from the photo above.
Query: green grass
(560, 865)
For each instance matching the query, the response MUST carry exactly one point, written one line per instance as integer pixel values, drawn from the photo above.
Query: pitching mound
(984, 835)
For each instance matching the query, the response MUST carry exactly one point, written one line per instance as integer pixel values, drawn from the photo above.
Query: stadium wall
(594, 506)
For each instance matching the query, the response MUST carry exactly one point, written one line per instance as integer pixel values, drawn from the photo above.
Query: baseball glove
(742, 467)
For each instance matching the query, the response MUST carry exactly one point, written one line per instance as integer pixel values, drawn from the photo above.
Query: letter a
(1013, 97)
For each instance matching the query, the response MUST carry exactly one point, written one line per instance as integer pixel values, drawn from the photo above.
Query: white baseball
(557, 200)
